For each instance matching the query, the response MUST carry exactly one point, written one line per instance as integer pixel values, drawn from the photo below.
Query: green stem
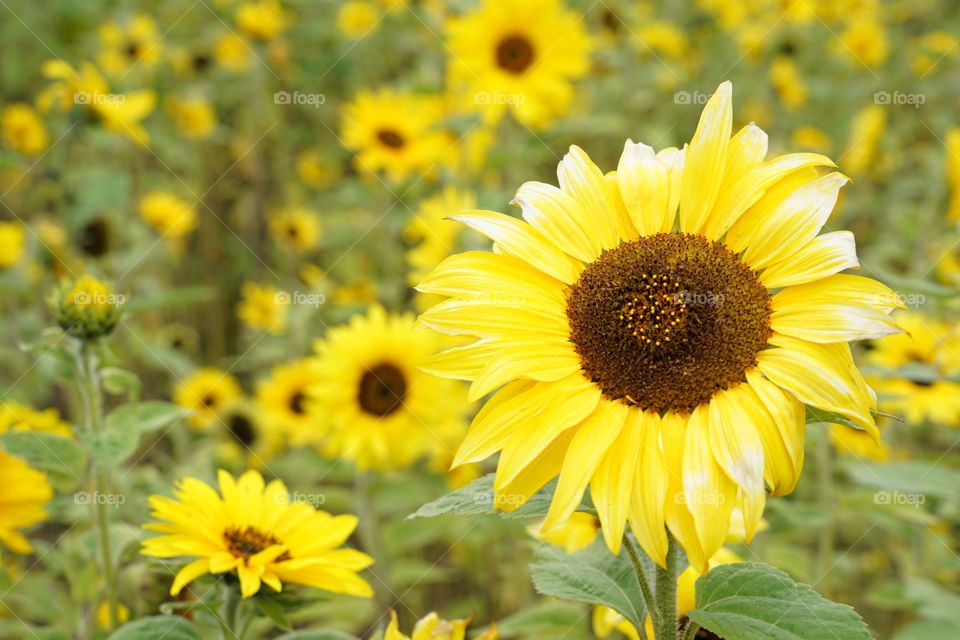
(90, 382)
(826, 540)
(690, 632)
(368, 529)
(665, 623)
(645, 590)
(229, 613)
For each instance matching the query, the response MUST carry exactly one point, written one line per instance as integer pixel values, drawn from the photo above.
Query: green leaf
(548, 619)
(477, 498)
(271, 608)
(910, 482)
(928, 630)
(745, 601)
(592, 575)
(317, 635)
(118, 381)
(63, 459)
(144, 417)
(110, 447)
(166, 627)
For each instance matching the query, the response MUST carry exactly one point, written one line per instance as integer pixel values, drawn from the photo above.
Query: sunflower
(923, 358)
(283, 399)
(395, 132)
(170, 216)
(194, 116)
(206, 392)
(295, 229)
(433, 627)
(23, 493)
(23, 130)
(263, 307)
(256, 532)
(863, 155)
(15, 417)
(262, 19)
(127, 45)
(12, 243)
(953, 173)
(373, 404)
(521, 56)
(662, 357)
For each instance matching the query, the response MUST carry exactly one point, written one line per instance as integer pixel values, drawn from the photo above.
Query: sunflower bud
(86, 307)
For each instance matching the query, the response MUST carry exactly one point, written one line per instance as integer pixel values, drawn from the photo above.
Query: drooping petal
(613, 483)
(647, 508)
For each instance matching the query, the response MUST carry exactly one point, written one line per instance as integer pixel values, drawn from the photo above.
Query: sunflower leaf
(63, 459)
(272, 608)
(751, 600)
(592, 575)
(144, 417)
(477, 498)
(153, 627)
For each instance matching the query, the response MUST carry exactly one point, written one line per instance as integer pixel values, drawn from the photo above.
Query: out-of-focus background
(251, 175)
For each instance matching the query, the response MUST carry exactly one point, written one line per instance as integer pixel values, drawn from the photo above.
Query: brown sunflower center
(249, 541)
(297, 403)
(382, 390)
(667, 320)
(390, 138)
(515, 54)
(241, 428)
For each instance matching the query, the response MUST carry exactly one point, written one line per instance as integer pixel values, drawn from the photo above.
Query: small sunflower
(433, 627)
(206, 392)
(657, 332)
(169, 215)
(233, 53)
(263, 307)
(135, 43)
(256, 532)
(395, 132)
(521, 56)
(23, 493)
(15, 417)
(12, 243)
(194, 116)
(244, 437)
(23, 130)
(295, 229)
(374, 406)
(284, 398)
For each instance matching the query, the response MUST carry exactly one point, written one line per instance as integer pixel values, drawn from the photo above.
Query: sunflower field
(480, 320)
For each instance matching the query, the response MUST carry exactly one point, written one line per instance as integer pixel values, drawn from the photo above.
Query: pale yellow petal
(823, 256)
(706, 160)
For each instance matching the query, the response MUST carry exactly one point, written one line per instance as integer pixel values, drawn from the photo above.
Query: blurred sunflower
(953, 173)
(395, 132)
(194, 116)
(433, 627)
(232, 53)
(283, 399)
(317, 171)
(245, 440)
(206, 392)
(15, 417)
(135, 43)
(863, 43)
(23, 493)
(858, 444)
(432, 237)
(12, 243)
(921, 359)
(295, 229)
(373, 404)
(170, 216)
(262, 19)
(517, 56)
(357, 18)
(256, 532)
(663, 358)
(263, 307)
(23, 130)
(863, 156)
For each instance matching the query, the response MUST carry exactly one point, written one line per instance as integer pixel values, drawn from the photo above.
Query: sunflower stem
(690, 632)
(645, 589)
(665, 622)
(825, 502)
(230, 612)
(368, 529)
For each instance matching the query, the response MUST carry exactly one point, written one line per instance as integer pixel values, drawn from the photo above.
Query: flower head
(87, 307)
(169, 215)
(206, 392)
(23, 129)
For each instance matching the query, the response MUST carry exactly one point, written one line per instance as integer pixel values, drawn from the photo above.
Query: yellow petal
(651, 479)
(579, 177)
(782, 433)
(706, 160)
(188, 574)
(613, 483)
(823, 256)
(677, 516)
(644, 183)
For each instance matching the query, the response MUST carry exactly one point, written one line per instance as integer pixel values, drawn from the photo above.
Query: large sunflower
(256, 532)
(374, 405)
(657, 332)
(521, 56)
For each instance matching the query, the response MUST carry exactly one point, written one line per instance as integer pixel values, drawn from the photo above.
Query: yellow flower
(863, 43)
(284, 398)
(12, 243)
(206, 392)
(357, 18)
(194, 116)
(87, 308)
(317, 171)
(170, 216)
(263, 307)
(433, 627)
(244, 437)
(395, 132)
(295, 229)
(432, 238)
(953, 173)
(362, 292)
(811, 138)
(122, 113)
(376, 403)
(262, 19)
(930, 50)
(663, 39)
(232, 53)
(655, 331)
(575, 534)
(126, 46)
(70, 86)
(103, 615)
(858, 444)
(257, 532)
(15, 417)
(23, 130)
(517, 56)
(866, 133)
(785, 78)
(23, 493)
